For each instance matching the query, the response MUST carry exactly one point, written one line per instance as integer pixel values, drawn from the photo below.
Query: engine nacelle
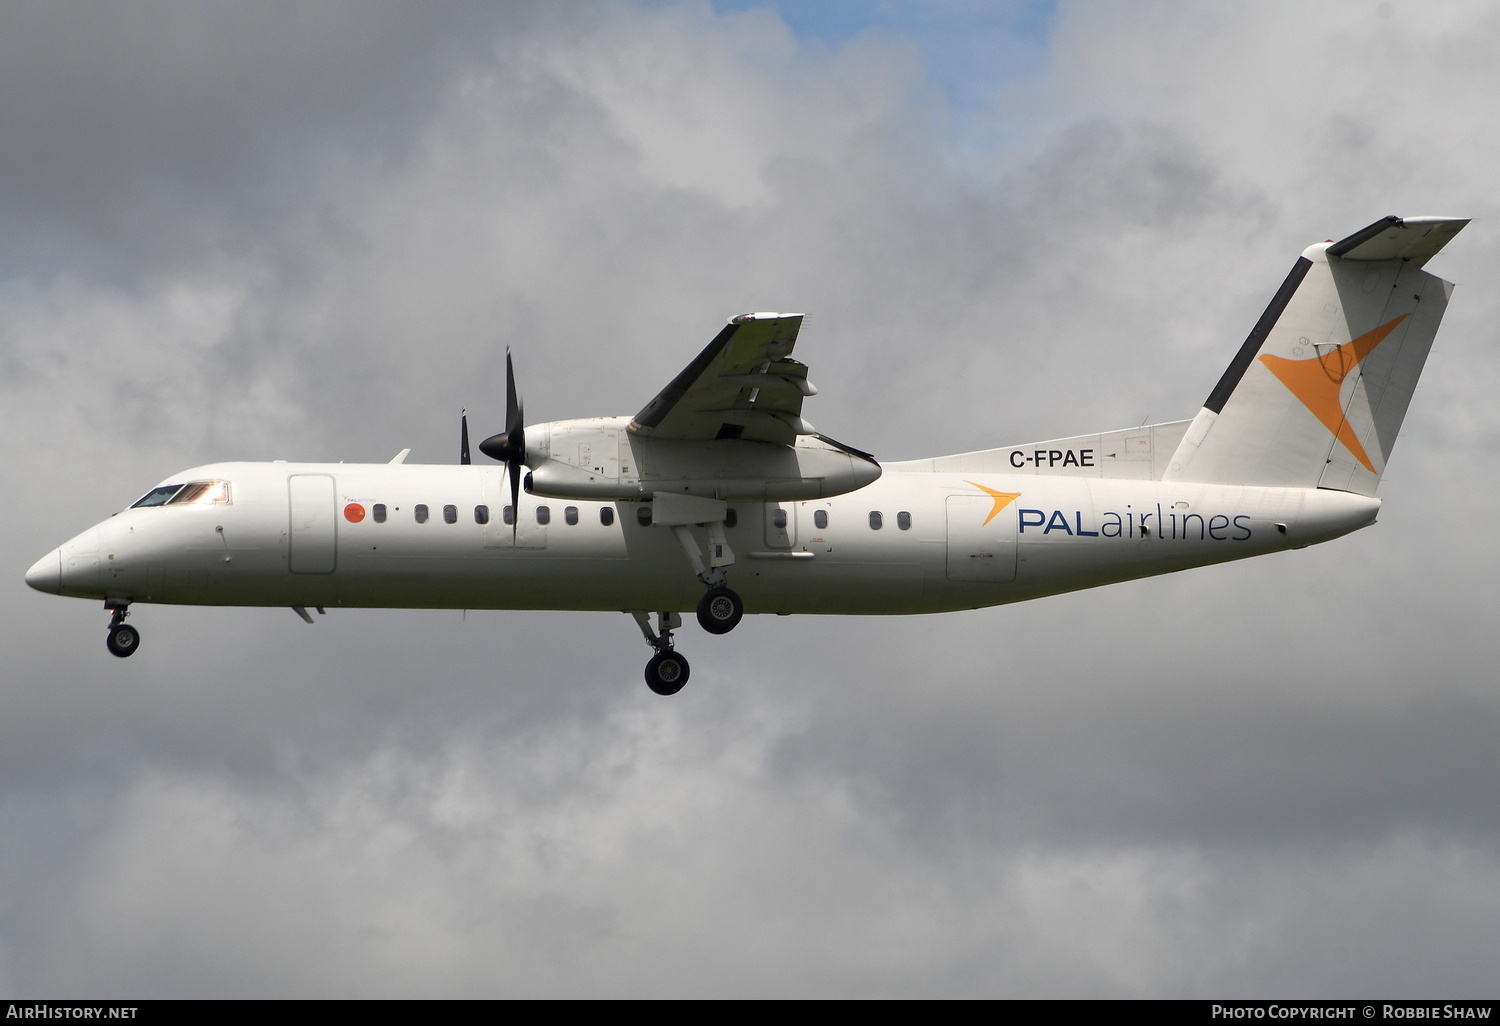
(600, 460)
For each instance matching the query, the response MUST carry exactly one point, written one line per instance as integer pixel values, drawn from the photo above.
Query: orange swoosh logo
(1002, 499)
(1317, 381)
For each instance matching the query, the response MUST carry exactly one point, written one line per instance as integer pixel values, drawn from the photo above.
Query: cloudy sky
(309, 231)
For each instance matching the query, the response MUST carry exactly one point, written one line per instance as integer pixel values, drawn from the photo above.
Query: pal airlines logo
(1145, 522)
(1002, 499)
(1318, 381)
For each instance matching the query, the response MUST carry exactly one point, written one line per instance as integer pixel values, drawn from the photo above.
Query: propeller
(463, 437)
(509, 447)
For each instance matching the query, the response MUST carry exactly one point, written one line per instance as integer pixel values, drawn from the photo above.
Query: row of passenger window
(422, 514)
(877, 519)
(607, 516)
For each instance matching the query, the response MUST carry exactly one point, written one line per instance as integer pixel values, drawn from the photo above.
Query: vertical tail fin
(1317, 393)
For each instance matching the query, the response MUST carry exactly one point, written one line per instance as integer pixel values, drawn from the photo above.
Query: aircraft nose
(46, 573)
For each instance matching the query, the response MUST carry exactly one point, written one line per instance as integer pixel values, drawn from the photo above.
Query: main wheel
(719, 610)
(122, 640)
(666, 673)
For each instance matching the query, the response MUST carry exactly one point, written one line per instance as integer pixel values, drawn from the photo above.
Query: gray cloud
(139, 131)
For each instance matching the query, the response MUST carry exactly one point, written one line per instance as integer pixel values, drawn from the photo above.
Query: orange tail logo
(1317, 381)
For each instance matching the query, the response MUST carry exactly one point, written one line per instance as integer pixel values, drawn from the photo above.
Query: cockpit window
(200, 493)
(157, 496)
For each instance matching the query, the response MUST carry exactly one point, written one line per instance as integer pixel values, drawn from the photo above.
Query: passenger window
(481, 514)
(378, 512)
(903, 520)
(450, 514)
(820, 519)
(570, 514)
(643, 515)
(778, 519)
(508, 515)
(606, 515)
(544, 514)
(876, 520)
(420, 512)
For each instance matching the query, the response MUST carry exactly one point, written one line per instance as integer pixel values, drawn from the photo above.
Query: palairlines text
(1161, 523)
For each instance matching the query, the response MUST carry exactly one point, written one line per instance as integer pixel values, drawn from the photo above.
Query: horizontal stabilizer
(1413, 239)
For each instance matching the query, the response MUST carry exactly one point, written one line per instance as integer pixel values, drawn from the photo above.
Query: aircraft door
(979, 551)
(312, 538)
(781, 524)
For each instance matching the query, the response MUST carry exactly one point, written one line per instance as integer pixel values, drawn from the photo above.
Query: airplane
(720, 480)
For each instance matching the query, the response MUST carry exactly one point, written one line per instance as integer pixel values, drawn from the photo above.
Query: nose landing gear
(122, 639)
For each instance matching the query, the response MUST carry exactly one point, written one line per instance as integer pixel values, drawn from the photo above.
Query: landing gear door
(781, 525)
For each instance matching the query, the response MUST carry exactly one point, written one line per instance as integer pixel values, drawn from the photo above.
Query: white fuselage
(719, 496)
(307, 535)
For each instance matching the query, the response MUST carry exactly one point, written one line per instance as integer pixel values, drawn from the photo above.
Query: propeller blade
(463, 437)
(514, 468)
(515, 418)
(509, 447)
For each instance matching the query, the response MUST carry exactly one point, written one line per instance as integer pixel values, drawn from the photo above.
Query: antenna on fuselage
(463, 437)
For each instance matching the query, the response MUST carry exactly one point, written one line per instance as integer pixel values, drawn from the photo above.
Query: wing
(743, 385)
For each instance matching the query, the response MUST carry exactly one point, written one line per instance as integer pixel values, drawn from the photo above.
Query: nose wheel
(122, 639)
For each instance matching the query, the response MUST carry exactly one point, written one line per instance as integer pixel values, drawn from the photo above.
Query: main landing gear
(122, 639)
(720, 609)
(667, 671)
